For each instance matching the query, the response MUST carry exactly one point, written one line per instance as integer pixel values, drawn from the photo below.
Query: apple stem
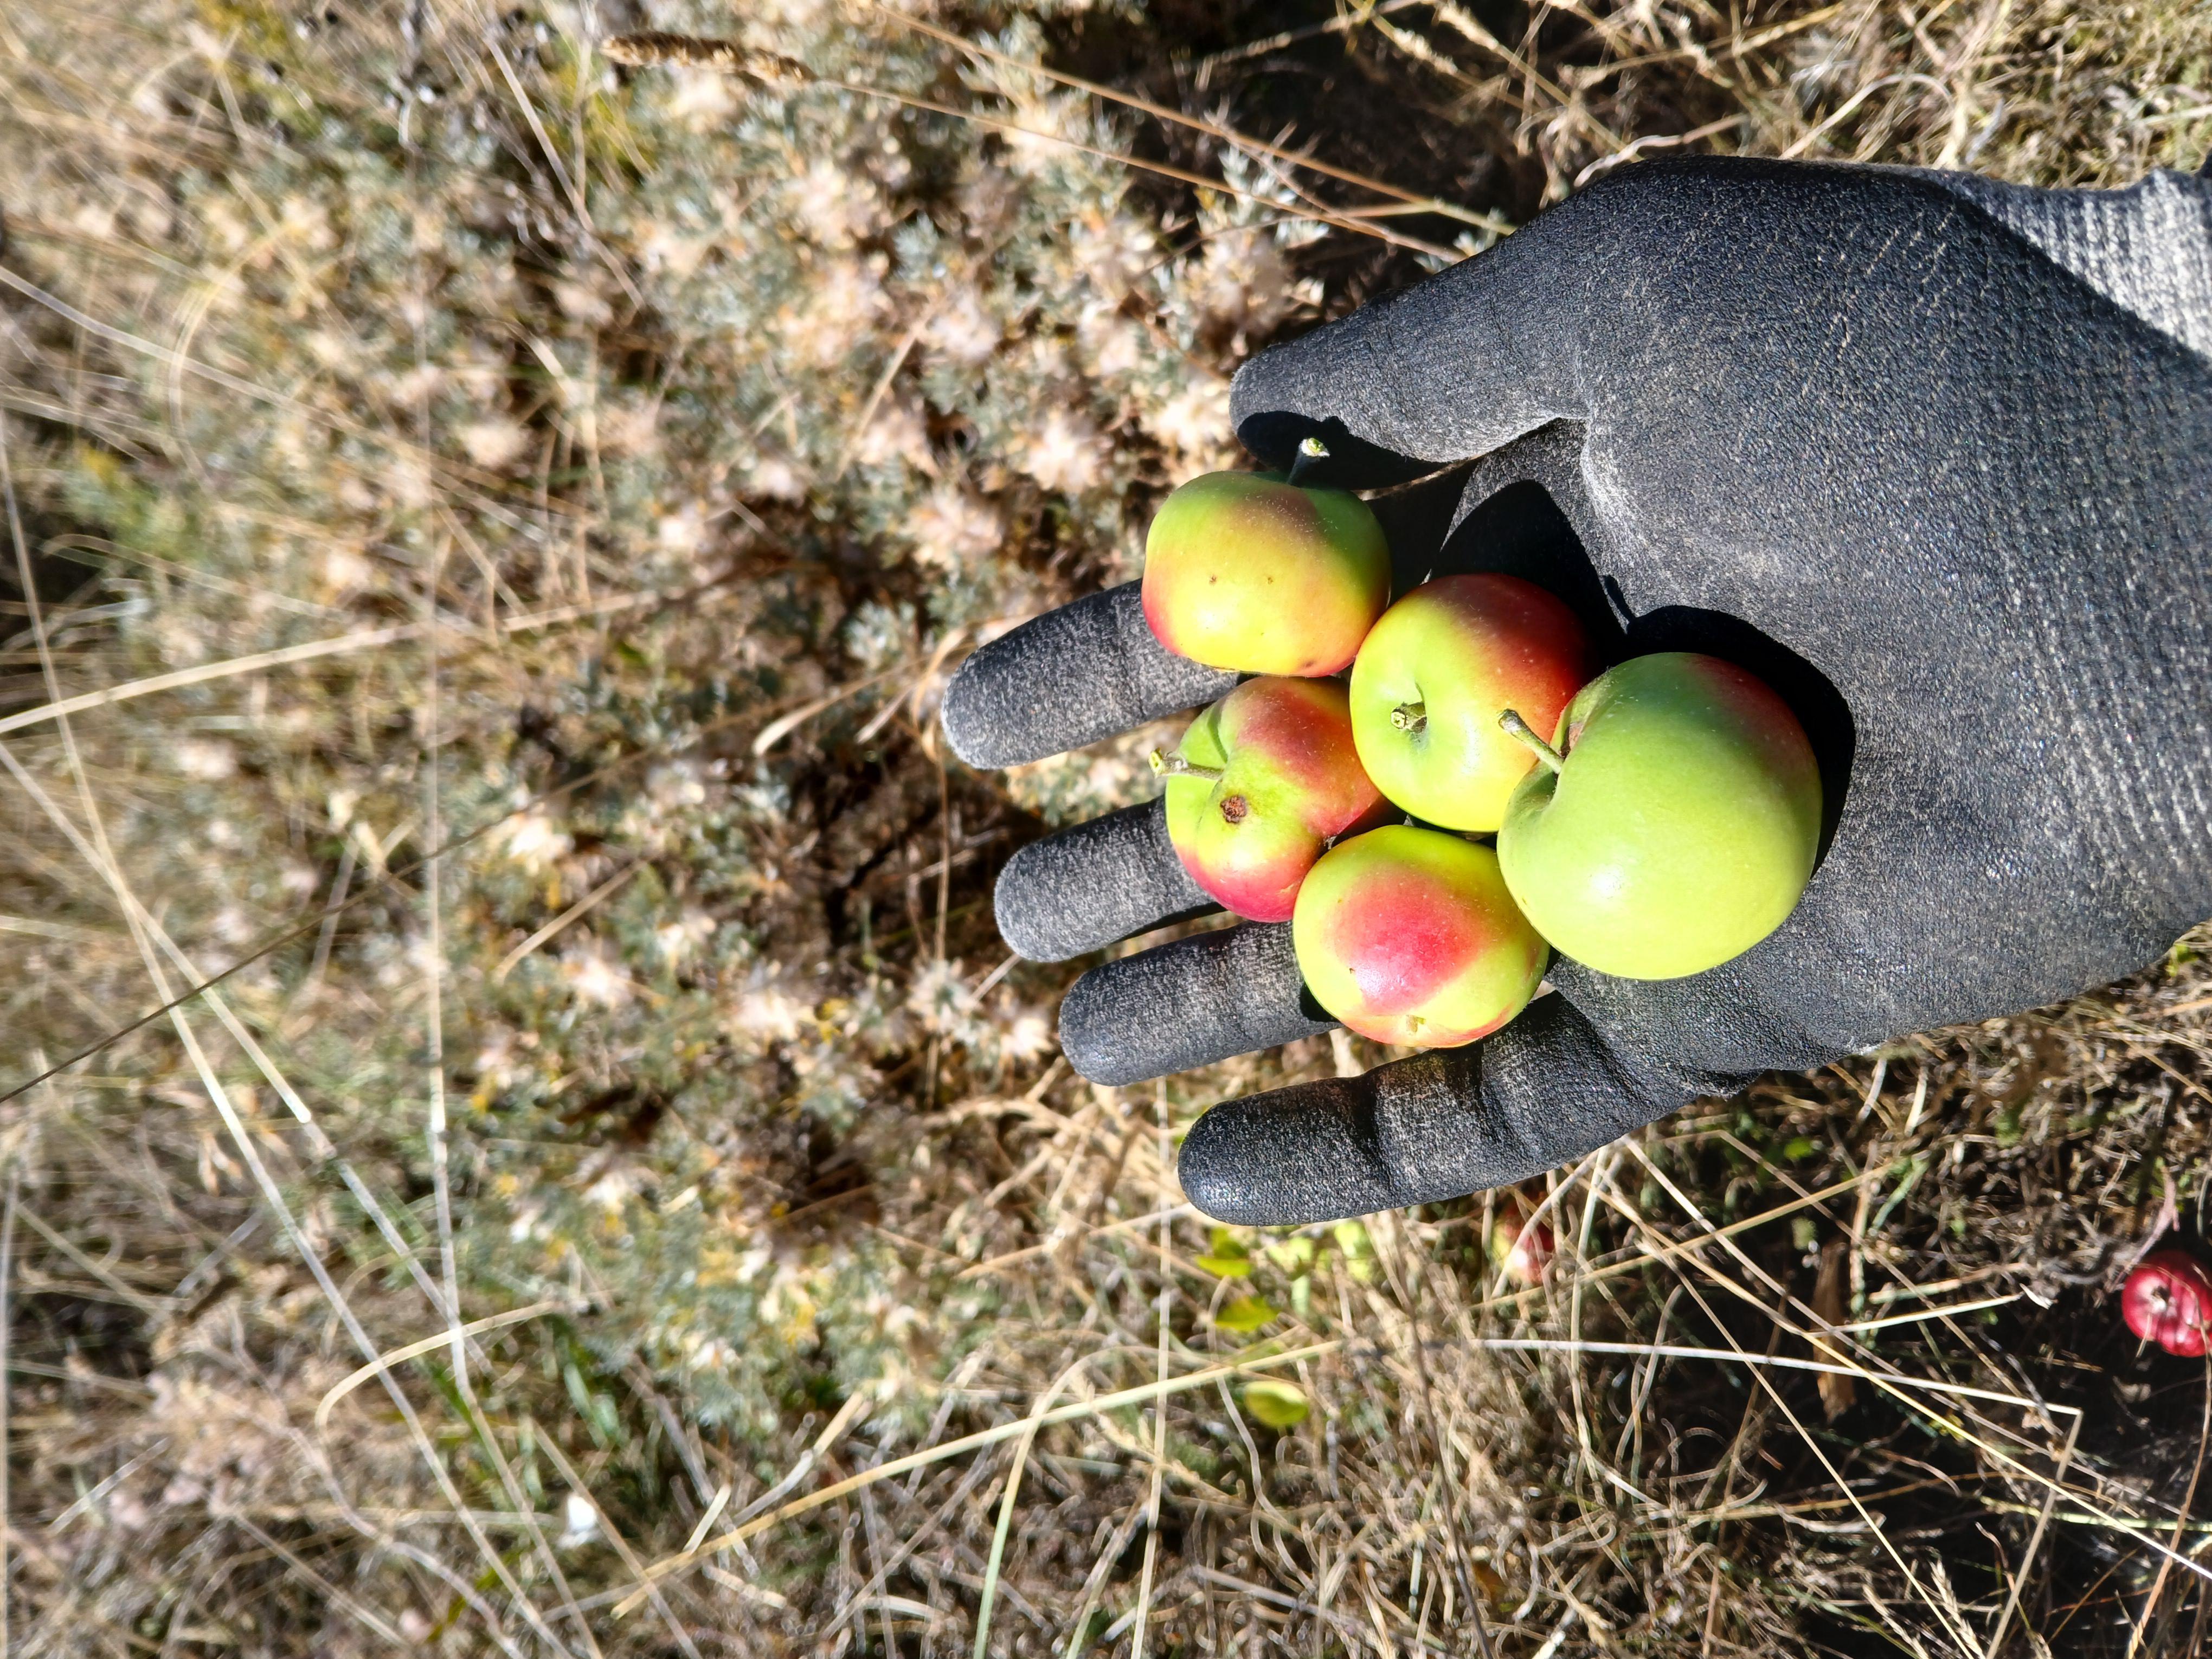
(1175, 766)
(1517, 727)
(1410, 716)
(1309, 451)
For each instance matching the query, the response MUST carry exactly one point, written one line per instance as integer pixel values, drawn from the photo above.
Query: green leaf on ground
(1277, 1405)
(1244, 1314)
(1230, 1258)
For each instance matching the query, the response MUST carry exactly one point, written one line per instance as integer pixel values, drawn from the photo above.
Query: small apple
(1260, 783)
(1257, 573)
(1408, 936)
(2168, 1300)
(1435, 674)
(1519, 1248)
(1672, 827)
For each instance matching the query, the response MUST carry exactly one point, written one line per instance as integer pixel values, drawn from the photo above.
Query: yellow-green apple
(1256, 573)
(1409, 936)
(1258, 786)
(1670, 824)
(1435, 674)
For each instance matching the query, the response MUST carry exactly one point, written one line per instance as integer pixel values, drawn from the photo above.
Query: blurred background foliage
(529, 506)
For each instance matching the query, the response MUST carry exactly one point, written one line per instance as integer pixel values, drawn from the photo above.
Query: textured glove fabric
(1441, 1124)
(1229, 991)
(2147, 248)
(1934, 457)
(1096, 883)
(1073, 675)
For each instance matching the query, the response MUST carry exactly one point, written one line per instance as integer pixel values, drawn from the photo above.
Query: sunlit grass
(499, 527)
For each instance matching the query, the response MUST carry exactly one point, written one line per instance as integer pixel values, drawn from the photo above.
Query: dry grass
(487, 535)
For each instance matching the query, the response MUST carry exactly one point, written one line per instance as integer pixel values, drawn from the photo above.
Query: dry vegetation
(554, 494)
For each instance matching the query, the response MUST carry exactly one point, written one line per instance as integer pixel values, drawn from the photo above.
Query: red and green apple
(1259, 784)
(1409, 936)
(1252, 572)
(1671, 821)
(1520, 1245)
(1434, 676)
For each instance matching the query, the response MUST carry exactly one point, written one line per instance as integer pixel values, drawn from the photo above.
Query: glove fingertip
(1230, 1170)
(1086, 888)
(1067, 679)
(1026, 929)
(986, 719)
(1092, 1036)
(969, 728)
(1451, 1121)
(1291, 1156)
(1191, 1003)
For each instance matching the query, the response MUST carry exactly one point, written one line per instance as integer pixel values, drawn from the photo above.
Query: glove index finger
(1067, 678)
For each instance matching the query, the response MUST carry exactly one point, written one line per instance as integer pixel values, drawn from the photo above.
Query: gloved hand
(1931, 455)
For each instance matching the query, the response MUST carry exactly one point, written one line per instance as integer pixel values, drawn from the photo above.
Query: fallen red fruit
(2168, 1300)
(1519, 1248)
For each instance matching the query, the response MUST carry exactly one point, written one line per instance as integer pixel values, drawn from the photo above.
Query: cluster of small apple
(1651, 820)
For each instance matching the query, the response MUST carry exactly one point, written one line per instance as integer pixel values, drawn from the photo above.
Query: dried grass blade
(719, 1502)
(365, 1615)
(1412, 200)
(2180, 1522)
(1107, 1402)
(97, 853)
(368, 639)
(551, 1445)
(7, 1316)
(1144, 1609)
(703, 50)
(1836, 1392)
(583, 906)
(998, 1536)
(777, 730)
(2035, 1539)
(163, 355)
(286, 936)
(416, 1350)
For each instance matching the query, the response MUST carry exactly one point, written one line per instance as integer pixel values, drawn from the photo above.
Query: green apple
(1674, 825)
(1409, 936)
(1256, 573)
(1432, 678)
(1259, 784)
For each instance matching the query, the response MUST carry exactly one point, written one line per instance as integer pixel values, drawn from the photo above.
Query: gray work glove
(1930, 455)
